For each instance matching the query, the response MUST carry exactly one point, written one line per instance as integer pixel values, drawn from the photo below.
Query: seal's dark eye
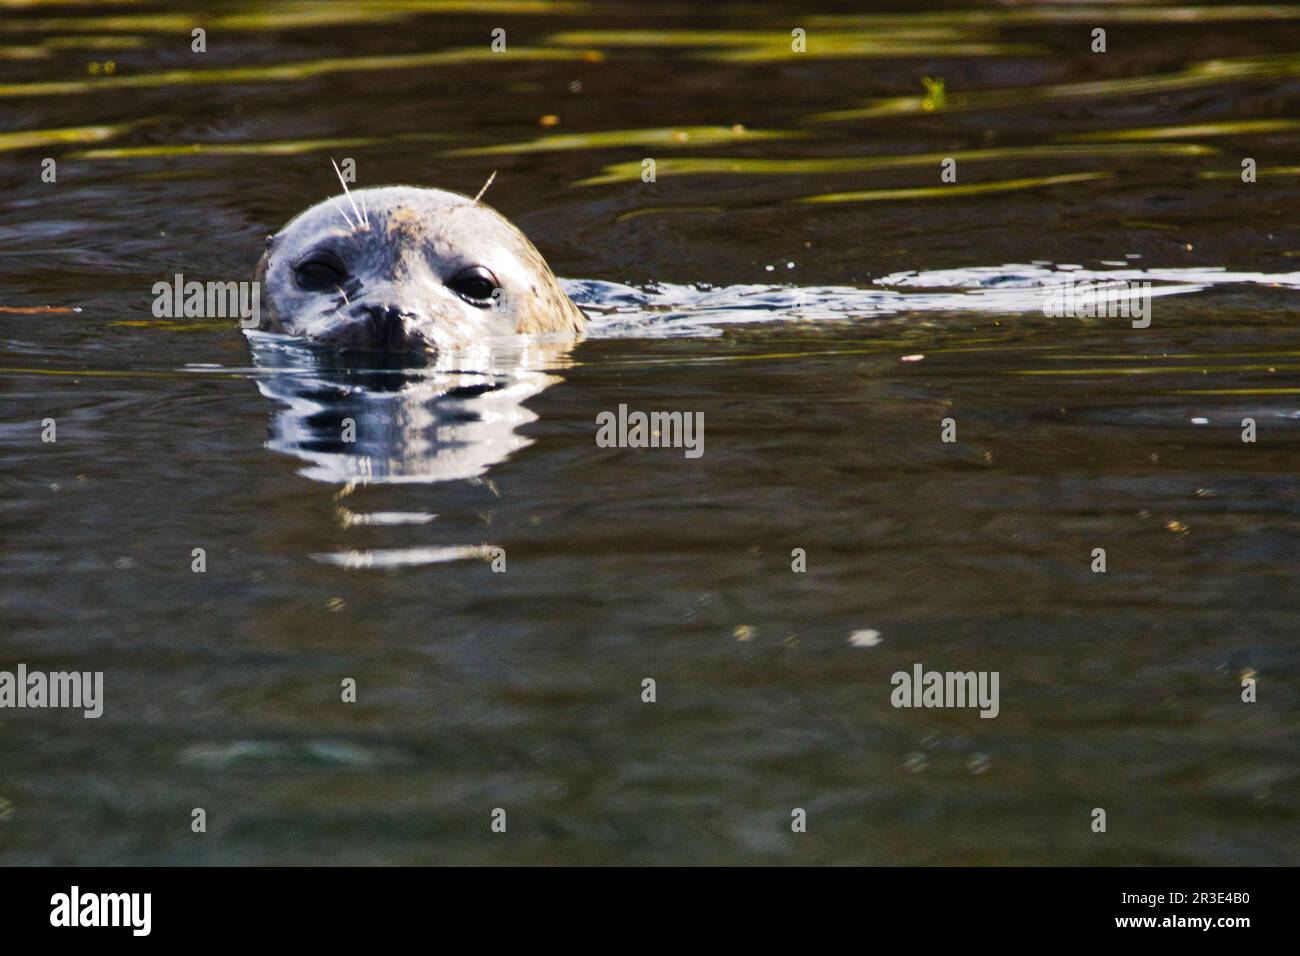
(320, 271)
(475, 285)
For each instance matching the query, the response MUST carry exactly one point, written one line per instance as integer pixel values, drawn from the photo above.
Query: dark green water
(522, 690)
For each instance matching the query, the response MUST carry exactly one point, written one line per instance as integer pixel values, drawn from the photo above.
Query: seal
(410, 270)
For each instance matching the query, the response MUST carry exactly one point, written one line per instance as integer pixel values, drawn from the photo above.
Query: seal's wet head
(403, 269)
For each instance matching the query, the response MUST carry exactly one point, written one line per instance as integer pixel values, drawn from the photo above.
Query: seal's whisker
(344, 294)
(350, 223)
(485, 187)
(347, 192)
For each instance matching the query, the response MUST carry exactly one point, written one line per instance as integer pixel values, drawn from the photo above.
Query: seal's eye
(475, 285)
(320, 272)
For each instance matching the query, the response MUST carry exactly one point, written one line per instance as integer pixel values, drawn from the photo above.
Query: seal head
(405, 269)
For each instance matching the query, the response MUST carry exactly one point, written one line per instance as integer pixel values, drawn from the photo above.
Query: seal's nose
(388, 326)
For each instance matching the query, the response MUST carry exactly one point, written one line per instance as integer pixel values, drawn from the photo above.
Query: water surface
(797, 273)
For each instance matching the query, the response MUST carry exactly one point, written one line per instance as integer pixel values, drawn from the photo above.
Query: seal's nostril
(388, 325)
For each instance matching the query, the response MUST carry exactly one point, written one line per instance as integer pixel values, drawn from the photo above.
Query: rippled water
(799, 275)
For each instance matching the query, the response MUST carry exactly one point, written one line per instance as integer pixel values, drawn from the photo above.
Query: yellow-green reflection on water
(172, 325)
(304, 70)
(856, 47)
(27, 139)
(1186, 131)
(665, 210)
(760, 46)
(724, 166)
(285, 16)
(279, 148)
(1080, 13)
(1205, 73)
(952, 190)
(680, 137)
(1261, 172)
(726, 38)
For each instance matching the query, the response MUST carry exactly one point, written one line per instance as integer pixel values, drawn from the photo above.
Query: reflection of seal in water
(409, 270)
(410, 421)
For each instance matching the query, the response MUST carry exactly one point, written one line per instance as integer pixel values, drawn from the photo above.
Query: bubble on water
(864, 638)
(404, 557)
